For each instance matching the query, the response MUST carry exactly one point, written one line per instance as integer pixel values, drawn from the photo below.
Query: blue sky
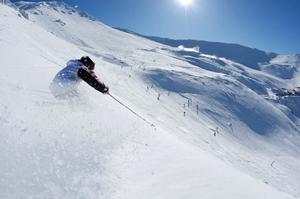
(271, 25)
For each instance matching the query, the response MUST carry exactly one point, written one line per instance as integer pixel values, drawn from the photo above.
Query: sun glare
(186, 3)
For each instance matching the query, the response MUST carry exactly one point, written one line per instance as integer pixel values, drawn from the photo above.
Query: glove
(105, 90)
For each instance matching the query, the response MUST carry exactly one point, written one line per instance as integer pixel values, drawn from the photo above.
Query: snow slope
(242, 54)
(238, 143)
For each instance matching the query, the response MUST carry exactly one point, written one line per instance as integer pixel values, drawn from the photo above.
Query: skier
(66, 82)
(293, 92)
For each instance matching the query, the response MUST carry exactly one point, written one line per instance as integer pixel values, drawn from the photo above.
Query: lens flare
(186, 3)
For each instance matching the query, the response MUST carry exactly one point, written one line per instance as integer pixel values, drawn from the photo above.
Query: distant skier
(66, 82)
(287, 93)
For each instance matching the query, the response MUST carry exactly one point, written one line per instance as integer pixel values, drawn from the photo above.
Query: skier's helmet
(87, 62)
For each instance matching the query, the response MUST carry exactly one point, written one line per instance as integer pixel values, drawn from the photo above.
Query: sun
(185, 3)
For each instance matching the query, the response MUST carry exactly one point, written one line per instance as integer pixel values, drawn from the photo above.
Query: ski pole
(132, 111)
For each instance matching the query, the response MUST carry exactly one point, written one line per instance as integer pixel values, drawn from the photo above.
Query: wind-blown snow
(217, 134)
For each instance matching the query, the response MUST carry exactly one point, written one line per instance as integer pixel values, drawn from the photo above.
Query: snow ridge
(59, 6)
(250, 57)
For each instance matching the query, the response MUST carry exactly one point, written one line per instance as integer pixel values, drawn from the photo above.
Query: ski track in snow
(216, 134)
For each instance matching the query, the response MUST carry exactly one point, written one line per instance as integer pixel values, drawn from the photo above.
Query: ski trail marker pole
(132, 111)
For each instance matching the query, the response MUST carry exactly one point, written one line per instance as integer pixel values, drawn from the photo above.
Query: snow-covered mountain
(241, 54)
(219, 130)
